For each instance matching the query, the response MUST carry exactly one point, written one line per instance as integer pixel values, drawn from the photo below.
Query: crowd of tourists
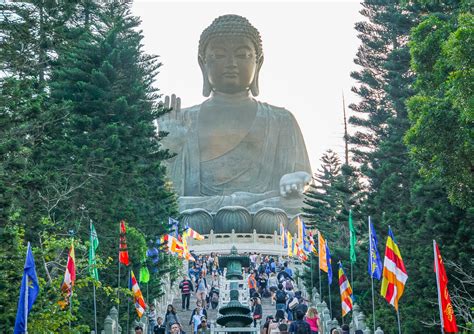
(269, 278)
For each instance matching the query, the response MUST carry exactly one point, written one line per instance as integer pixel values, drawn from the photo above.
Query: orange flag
(448, 320)
(323, 264)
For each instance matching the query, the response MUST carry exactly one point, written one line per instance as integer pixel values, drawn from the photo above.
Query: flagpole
(93, 283)
(95, 309)
(118, 280)
(147, 288)
(330, 303)
(312, 255)
(398, 320)
(70, 307)
(438, 287)
(319, 268)
(26, 295)
(128, 306)
(372, 274)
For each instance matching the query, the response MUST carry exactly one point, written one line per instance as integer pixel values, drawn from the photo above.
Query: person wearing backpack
(299, 326)
(280, 298)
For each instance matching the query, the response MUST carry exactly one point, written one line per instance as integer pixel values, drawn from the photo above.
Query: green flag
(94, 243)
(144, 274)
(353, 240)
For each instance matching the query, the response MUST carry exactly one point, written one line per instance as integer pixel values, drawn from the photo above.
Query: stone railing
(111, 324)
(247, 242)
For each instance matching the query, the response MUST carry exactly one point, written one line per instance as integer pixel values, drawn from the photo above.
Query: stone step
(185, 315)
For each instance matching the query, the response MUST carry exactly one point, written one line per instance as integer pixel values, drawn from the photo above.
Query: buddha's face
(230, 64)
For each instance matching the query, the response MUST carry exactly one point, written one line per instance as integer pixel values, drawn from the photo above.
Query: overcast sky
(308, 47)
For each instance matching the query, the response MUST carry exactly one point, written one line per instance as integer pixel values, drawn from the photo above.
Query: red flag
(448, 320)
(123, 252)
(69, 277)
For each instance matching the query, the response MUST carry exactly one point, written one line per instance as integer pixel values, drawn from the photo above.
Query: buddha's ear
(254, 85)
(206, 85)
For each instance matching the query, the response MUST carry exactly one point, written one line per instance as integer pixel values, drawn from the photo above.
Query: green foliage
(78, 143)
(441, 135)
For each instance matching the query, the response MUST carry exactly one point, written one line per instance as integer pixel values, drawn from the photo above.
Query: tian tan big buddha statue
(241, 164)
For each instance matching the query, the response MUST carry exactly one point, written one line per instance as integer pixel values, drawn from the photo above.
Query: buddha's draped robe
(246, 175)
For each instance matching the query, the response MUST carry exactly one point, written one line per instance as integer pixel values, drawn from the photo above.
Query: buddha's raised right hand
(172, 123)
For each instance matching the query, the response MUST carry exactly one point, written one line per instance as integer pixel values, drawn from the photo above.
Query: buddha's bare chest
(221, 132)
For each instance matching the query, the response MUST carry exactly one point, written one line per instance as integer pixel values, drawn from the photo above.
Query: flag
(153, 254)
(300, 228)
(394, 272)
(290, 243)
(448, 320)
(346, 291)
(282, 236)
(123, 251)
(138, 300)
(306, 244)
(69, 277)
(328, 263)
(294, 251)
(144, 274)
(353, 240)
(193, 234)
(174, 227)
(374, 263)
(322, 253)
(313, 244)
(29, 290)
(185, 252)
(174, 245)
(94, 243)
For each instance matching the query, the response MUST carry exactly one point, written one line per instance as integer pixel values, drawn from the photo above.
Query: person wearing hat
(204, 327)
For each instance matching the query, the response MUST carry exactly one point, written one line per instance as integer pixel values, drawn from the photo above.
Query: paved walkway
(212, 315)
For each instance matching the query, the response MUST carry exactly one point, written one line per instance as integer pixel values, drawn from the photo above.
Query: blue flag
(174, 227)
(328, 260)
(30, 286)
(375, 263)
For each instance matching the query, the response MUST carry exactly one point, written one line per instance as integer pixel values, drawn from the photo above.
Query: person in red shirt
(186, 287)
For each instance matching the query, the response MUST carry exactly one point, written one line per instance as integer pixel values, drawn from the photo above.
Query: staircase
(184, 315)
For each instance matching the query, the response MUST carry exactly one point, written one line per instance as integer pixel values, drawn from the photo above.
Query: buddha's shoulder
(276, 111)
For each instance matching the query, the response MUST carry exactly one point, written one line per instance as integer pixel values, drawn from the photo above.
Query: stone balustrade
(247, 242)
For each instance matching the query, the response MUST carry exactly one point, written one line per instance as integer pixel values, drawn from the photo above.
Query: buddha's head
(230, 56)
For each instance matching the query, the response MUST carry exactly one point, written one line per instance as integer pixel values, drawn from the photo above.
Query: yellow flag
(290, 241)
(323, 265)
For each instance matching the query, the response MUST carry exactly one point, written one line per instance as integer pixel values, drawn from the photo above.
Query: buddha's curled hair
(230, 25)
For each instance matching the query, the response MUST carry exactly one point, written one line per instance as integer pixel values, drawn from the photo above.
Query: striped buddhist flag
(193, 234)
(69, 277)
(174, 245)
(394, 273)
(323, 265)
(139, 302)
(346, 291)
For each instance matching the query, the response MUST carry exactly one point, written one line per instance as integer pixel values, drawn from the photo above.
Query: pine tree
(105, 151)
(396, 194)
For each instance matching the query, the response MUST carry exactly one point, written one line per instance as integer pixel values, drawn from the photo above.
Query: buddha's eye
(217, 56)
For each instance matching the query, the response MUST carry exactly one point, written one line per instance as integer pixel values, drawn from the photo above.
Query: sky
(308, 47)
